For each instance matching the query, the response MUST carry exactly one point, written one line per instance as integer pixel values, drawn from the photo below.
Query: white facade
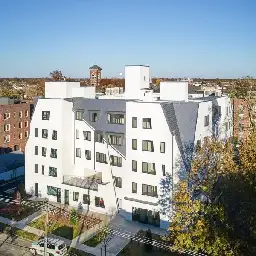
(139, 139)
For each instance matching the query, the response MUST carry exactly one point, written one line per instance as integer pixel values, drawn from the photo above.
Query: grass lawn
(97, 238)
(138, 249)
(57, 228)
(92, 242)
(26, 235)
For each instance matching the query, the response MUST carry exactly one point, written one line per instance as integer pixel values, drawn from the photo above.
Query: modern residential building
(14, 122)
(95, 75)
(119, 154)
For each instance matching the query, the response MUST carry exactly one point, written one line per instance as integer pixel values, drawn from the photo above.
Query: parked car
(55, 247)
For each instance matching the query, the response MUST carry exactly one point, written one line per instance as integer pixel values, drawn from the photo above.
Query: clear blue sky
(192, 38)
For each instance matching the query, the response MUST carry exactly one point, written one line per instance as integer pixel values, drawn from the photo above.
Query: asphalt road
(13, 248)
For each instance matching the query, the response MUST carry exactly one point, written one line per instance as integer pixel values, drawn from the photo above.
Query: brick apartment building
(241, 119)
(15, 119)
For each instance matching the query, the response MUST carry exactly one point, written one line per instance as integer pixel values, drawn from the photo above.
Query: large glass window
(52, 171)
(115, 118)
(52, 191)
(147, 145)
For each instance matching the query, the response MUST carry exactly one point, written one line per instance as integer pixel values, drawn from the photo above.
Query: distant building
(15, 119)
(12, 166)
(95, 75)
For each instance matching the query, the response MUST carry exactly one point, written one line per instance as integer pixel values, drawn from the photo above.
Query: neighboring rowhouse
(111, 154)
(15, 116)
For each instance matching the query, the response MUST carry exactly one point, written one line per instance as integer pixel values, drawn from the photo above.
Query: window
(86, 199)
(44, 151)
(52, 191)
(134, 165)
(20, 114)
(44, 133)
(116, 161)
(78, 152)
(45, 115)
(87, 135)
(26, 113)
(7, 116)
(115, 118)
(149, 190)
(162, 147)
(20, 125)
(93, 116)
(146, 123)
(52, 171)
(53, 153)
(148, 168)
(14, 114)
(134, 187)
(43, 169)
(98, 137)
(36, 132)
(36, 150)
(7, 127)
(88, 154)
(6, 138)
(101, 158)
(75, 196)
(118, 182)
(77, 134)
(36, 168)
(134, 122)
(20, 136)
(163, 169)
(147, 145)
(26, 124)
(79, 115)
(99, 202)
(115, 140)
(206, 120)
(54, 135)
(134, 144)
(14, 125)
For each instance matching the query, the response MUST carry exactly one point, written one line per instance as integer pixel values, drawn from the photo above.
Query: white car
(55, 247)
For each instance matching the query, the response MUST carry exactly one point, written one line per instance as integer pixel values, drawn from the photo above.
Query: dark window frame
(46, 115)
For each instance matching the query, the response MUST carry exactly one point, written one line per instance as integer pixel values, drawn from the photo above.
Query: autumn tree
(56, 75)
(213, 208)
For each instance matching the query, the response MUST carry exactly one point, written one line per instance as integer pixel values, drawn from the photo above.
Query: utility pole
(46, 228)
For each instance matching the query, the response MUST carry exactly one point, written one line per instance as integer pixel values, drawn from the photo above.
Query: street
(13, 248)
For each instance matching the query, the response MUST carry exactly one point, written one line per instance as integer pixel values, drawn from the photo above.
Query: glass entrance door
(58, 195)
(36, 189)
(66, 196)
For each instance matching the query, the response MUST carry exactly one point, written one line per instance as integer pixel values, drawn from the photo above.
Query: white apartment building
(113, 154)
